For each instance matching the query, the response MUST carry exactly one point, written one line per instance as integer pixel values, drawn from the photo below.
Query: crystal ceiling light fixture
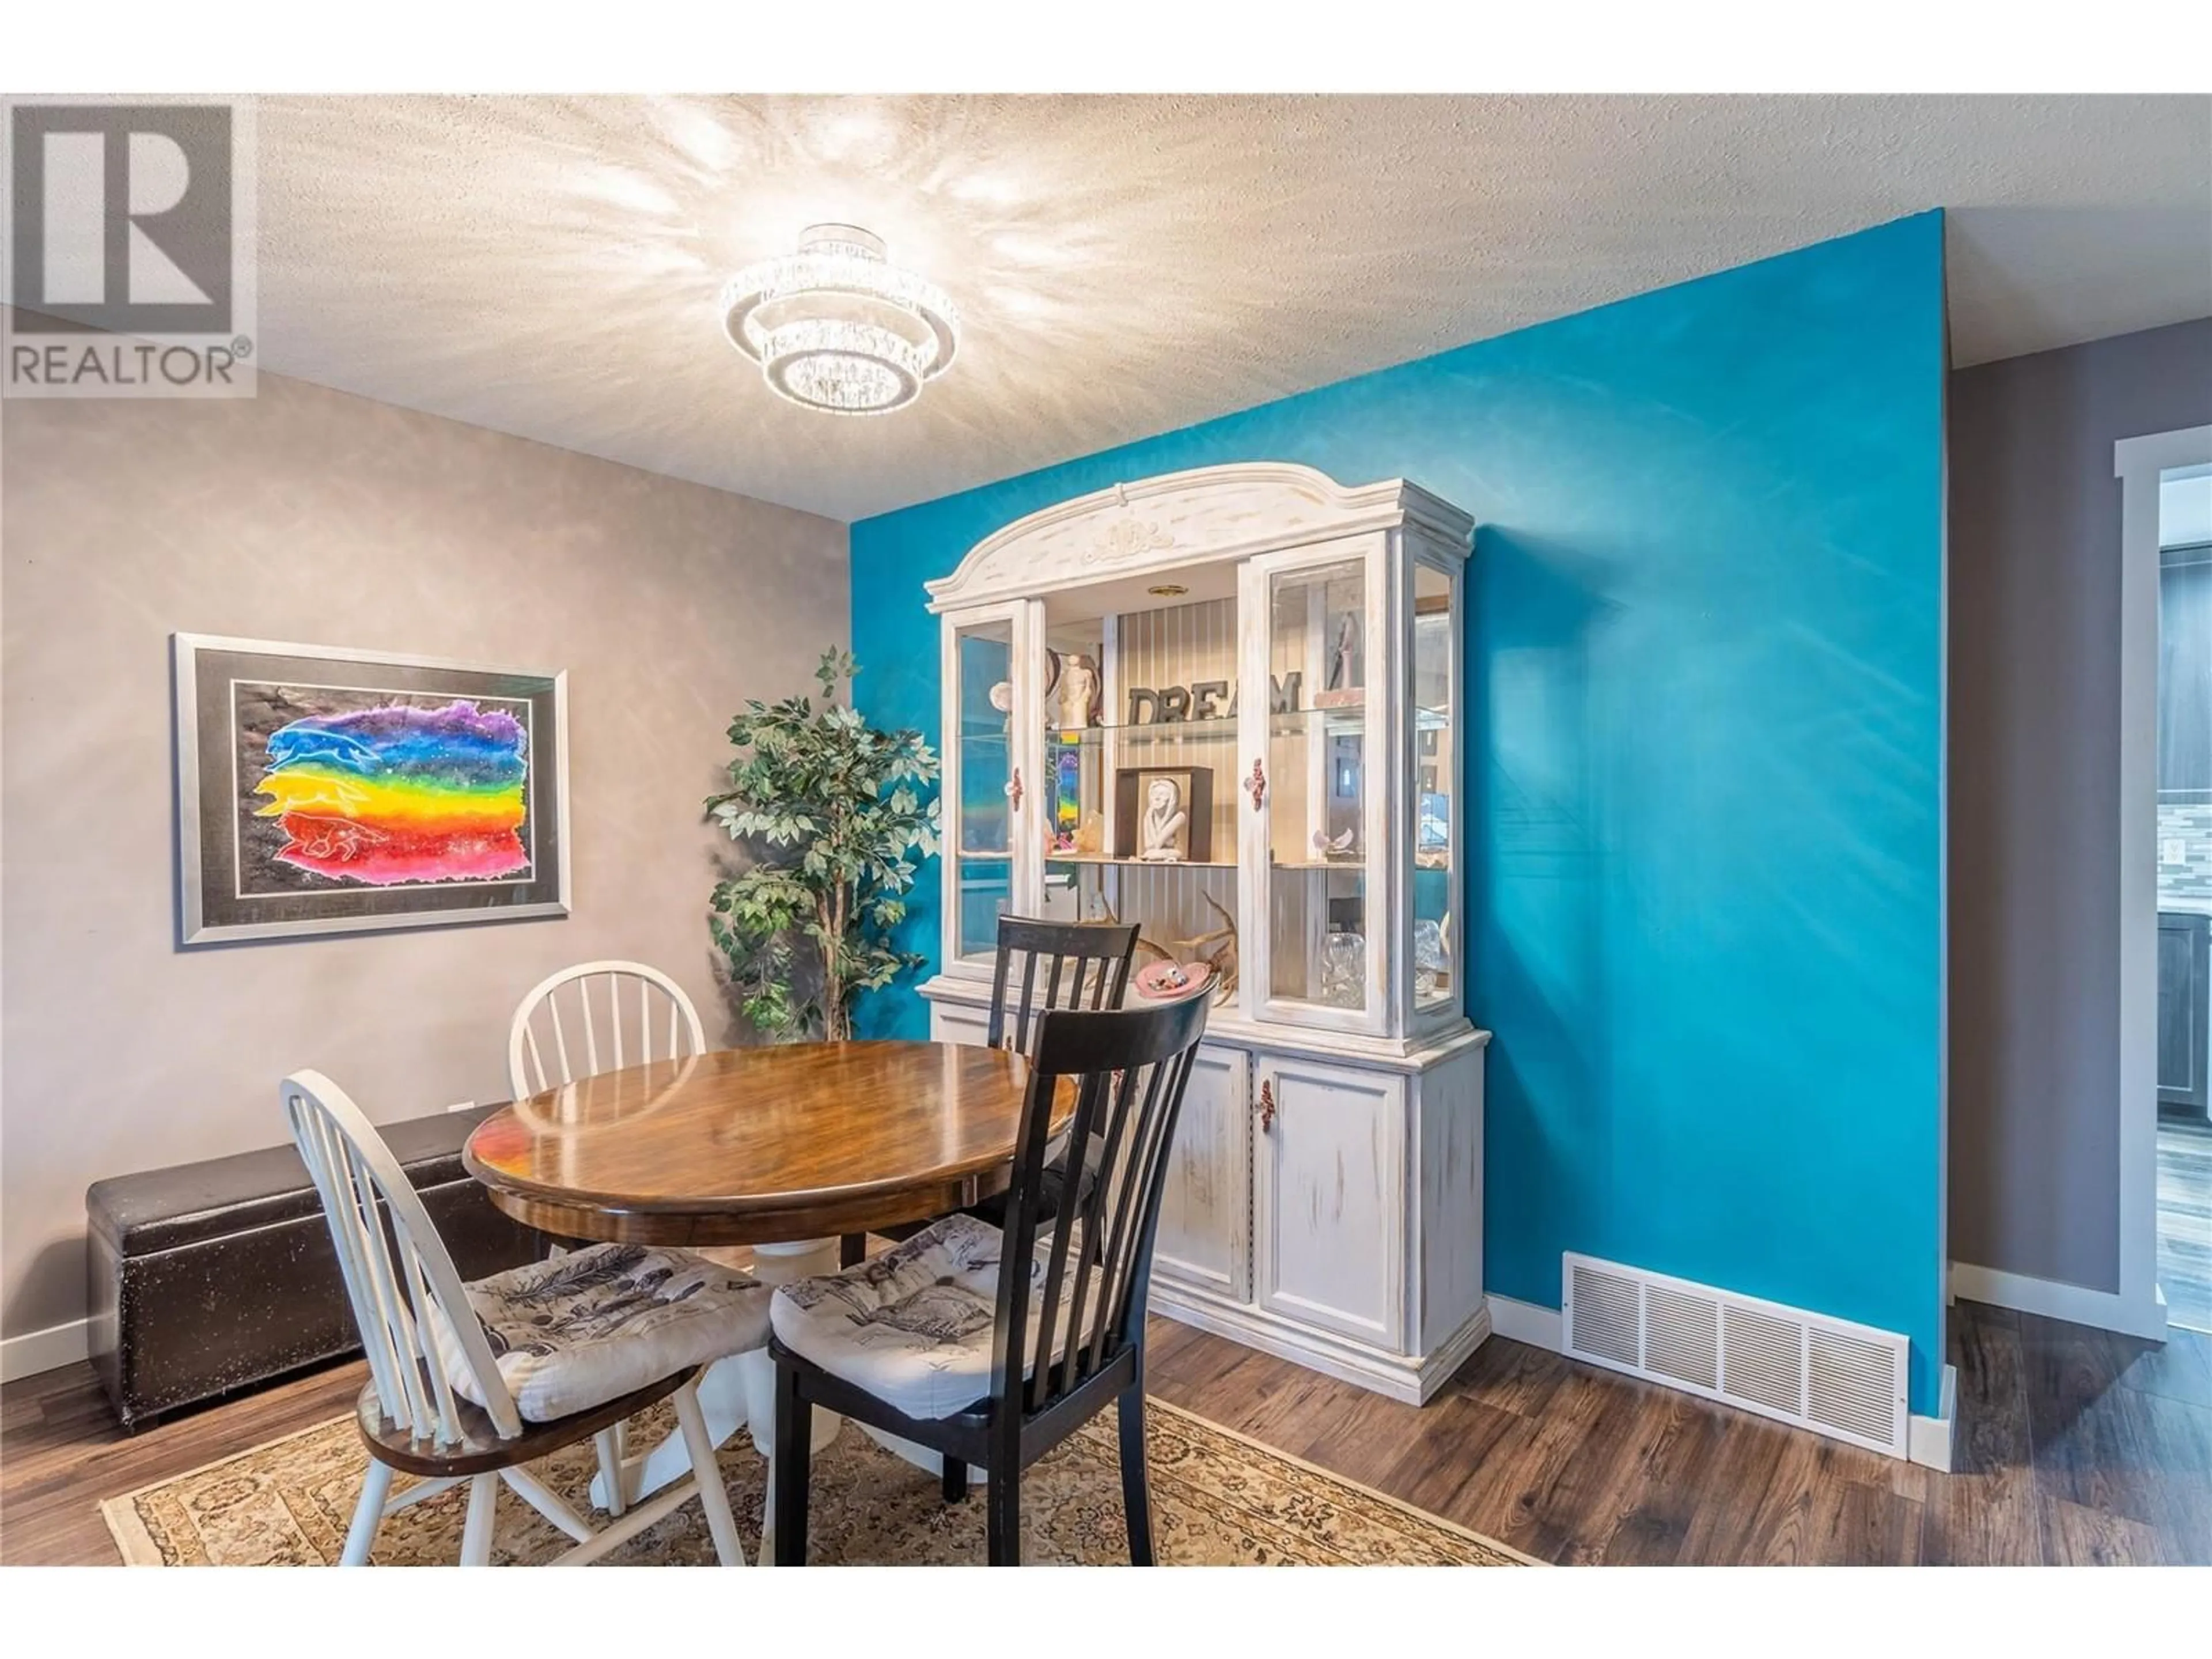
(836, 326)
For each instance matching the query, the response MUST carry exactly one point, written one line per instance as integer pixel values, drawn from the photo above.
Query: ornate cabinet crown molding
(1244, 507)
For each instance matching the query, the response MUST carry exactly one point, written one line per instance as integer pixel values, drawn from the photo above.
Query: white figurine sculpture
(1078, 694)
(1163, 821)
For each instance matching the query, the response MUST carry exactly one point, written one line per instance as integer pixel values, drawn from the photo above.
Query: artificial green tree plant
(837, 815)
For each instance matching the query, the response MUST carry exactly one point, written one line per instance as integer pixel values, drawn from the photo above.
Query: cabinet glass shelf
(1145, 734)
(1222, 728)
(1101, 860)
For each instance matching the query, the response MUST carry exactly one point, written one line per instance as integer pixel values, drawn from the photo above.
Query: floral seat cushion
(914, 1325)
(589, 1327)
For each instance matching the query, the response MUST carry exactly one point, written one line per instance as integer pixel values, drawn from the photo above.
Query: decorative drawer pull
(1257, 784)
(1267, 1106)
(1014, 789)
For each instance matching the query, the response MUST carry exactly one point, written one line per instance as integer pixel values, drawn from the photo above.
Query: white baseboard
(2105, 1310)
(1525, 1321)
(1928, 1440)
(44, 1351)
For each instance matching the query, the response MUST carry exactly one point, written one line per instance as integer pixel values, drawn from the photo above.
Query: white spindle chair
(405, 1289)
(538, 1058)
(598, 996)
(607, 1002)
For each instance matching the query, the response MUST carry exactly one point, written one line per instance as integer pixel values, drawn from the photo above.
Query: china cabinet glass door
(1318, 674)
(1434, 792)
(984, 763)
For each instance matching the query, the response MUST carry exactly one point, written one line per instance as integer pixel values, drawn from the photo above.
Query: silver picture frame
(218, 900)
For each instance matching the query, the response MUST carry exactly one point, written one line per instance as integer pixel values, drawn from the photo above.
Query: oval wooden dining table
(786, 1148)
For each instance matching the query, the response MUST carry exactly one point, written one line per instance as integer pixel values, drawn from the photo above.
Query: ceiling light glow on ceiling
(836, 326)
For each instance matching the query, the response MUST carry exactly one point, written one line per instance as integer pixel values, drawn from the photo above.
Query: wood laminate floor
(2184, 1222)
(2076, 1446)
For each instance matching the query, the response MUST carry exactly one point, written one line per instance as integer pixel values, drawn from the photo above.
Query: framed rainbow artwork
(325, 791)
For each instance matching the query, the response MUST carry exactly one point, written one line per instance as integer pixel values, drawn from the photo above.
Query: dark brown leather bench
(212, 1278)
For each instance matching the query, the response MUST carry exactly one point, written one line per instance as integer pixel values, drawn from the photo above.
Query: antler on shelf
(1107, 911)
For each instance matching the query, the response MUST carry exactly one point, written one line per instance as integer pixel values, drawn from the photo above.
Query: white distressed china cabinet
(1226, 705)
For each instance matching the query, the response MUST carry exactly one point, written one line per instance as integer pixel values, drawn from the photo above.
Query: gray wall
(2034, 852)
(307, 515)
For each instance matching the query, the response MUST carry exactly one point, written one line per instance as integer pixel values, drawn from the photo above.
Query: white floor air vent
(1820, 1374)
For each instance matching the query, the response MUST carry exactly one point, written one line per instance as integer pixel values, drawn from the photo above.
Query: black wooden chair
(1093, 953)
(991, 1347)
(1085, 965)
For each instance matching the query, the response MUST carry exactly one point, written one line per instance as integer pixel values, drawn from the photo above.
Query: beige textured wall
(310, 515)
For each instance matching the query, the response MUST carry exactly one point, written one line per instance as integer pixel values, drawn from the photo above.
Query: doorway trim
(2138, 462)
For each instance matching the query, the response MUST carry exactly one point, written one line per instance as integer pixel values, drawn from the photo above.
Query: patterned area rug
(1218, 1500)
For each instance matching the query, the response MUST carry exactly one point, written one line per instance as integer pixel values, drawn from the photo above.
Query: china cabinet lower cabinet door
(956, 1021)
(1328, 1159)
(1205, 1213)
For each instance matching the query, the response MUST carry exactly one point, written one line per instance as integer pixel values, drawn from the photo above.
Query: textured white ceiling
(547, 266)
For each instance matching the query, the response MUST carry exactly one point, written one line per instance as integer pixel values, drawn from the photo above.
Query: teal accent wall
(1705, 662)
